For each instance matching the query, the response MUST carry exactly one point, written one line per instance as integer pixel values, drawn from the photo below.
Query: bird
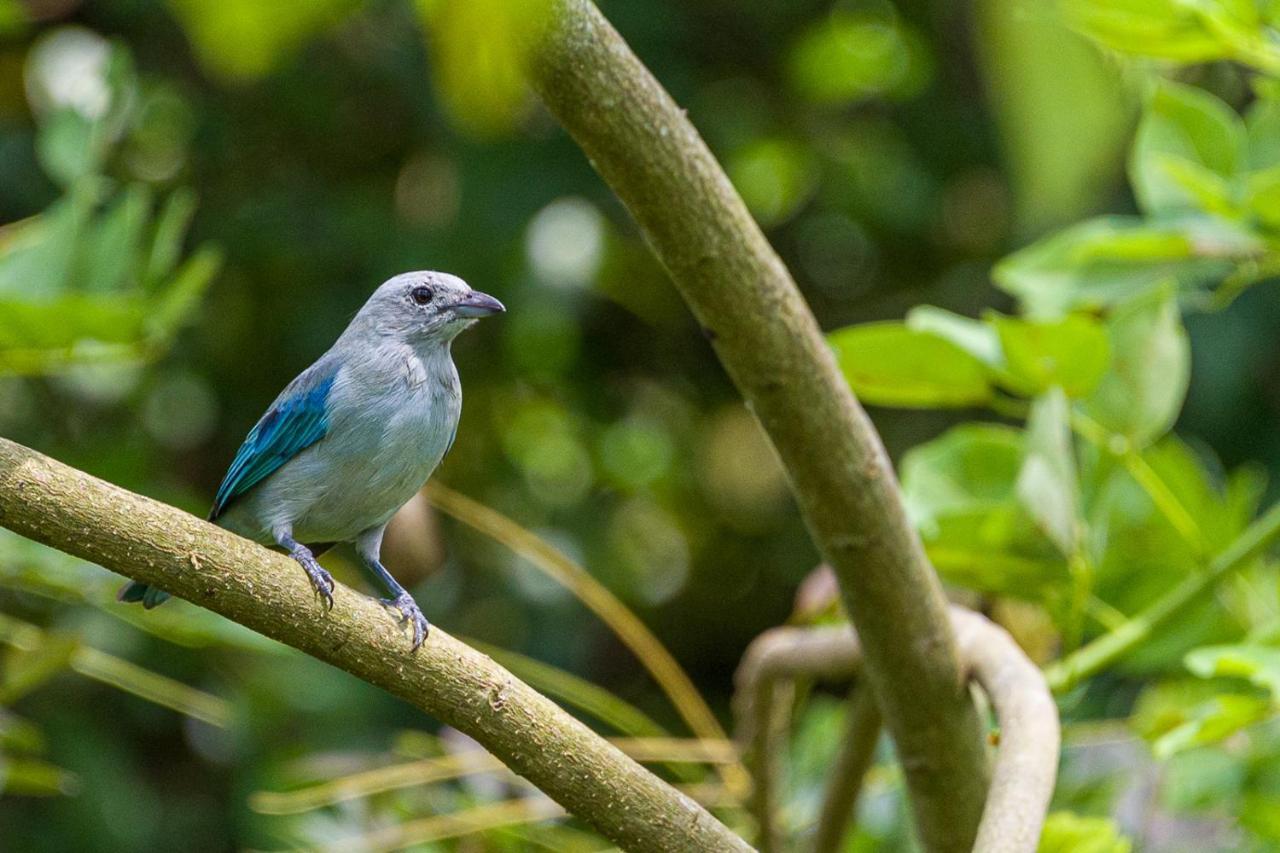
(353, 437)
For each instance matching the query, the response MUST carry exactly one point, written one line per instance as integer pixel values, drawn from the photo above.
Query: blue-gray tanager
(354, 436)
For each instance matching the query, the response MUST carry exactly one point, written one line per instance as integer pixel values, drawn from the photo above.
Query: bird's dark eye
(420, 295)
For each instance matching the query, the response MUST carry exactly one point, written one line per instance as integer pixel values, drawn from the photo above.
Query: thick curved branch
(1027, 759)
(154, 543)
(649, 153)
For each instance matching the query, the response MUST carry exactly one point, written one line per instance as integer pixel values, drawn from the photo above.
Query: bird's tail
(150, 596)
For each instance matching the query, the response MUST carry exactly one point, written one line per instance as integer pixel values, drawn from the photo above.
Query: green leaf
(109, 249)
(1262, 127)
(1166, 29)
(997, 551)
(1067, 832)
(1257, 663)
(973, 336)
(1142, 393)
(1188, 126)
(1071, 353)
(970, 468)
(178, 302)
(70, 146)
(37, 254)
(26, 670)
(31, 778)
(62, 322)
(1262, 196)
(888, 364)
(1110, 260)
(171, 227)
(1047, 484)
(1213, 721)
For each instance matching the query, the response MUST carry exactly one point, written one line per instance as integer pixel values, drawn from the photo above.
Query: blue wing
(298, 419)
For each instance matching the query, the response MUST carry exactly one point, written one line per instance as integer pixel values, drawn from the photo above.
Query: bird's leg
(369, 547)
(321, 580)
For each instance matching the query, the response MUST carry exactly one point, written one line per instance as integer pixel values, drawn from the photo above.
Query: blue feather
(298, 419)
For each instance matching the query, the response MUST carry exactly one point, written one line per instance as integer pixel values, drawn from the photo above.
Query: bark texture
(157, 544)
(645, 148)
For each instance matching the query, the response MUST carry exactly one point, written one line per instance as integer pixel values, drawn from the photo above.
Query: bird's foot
(321, 580)
(412, 614)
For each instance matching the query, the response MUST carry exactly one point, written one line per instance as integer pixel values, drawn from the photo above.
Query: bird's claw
(410, 613)
(321, 581)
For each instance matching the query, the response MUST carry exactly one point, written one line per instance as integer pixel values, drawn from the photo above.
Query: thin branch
(645, 148)
(635, 635)
(1027, 760)
(151, 542)
(857, 751)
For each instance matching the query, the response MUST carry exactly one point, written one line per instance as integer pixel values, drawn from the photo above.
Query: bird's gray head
(421, 308)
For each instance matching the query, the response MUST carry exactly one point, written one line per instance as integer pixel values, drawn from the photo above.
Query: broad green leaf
(1213, 721)
(1166, 29)
(1142, 393)
(970, 468)
(1257, 663)
(1047, 484)
(960, 492)
(973, 336)
(997, 550)
(1110, 260)
(888, 364)
(1262, 127)
(1071, 353)
(1067, 832)
(1182, 123)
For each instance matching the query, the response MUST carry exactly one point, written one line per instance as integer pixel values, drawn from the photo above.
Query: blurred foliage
(1086, 346)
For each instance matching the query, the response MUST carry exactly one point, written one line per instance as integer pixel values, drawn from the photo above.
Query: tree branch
(154, 543)
(857, 750)
(645, 148)
(1027, 760)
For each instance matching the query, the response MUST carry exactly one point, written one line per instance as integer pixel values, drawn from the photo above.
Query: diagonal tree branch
(649, 153)
(152, 542)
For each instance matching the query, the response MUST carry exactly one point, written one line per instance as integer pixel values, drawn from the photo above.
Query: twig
(857, 750)
(635, 635)
(151, 542)
(645, 148)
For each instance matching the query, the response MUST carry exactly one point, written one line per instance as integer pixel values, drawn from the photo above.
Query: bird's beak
(477, 304)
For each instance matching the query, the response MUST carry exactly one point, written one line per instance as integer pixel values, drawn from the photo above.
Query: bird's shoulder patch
(298, 419)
